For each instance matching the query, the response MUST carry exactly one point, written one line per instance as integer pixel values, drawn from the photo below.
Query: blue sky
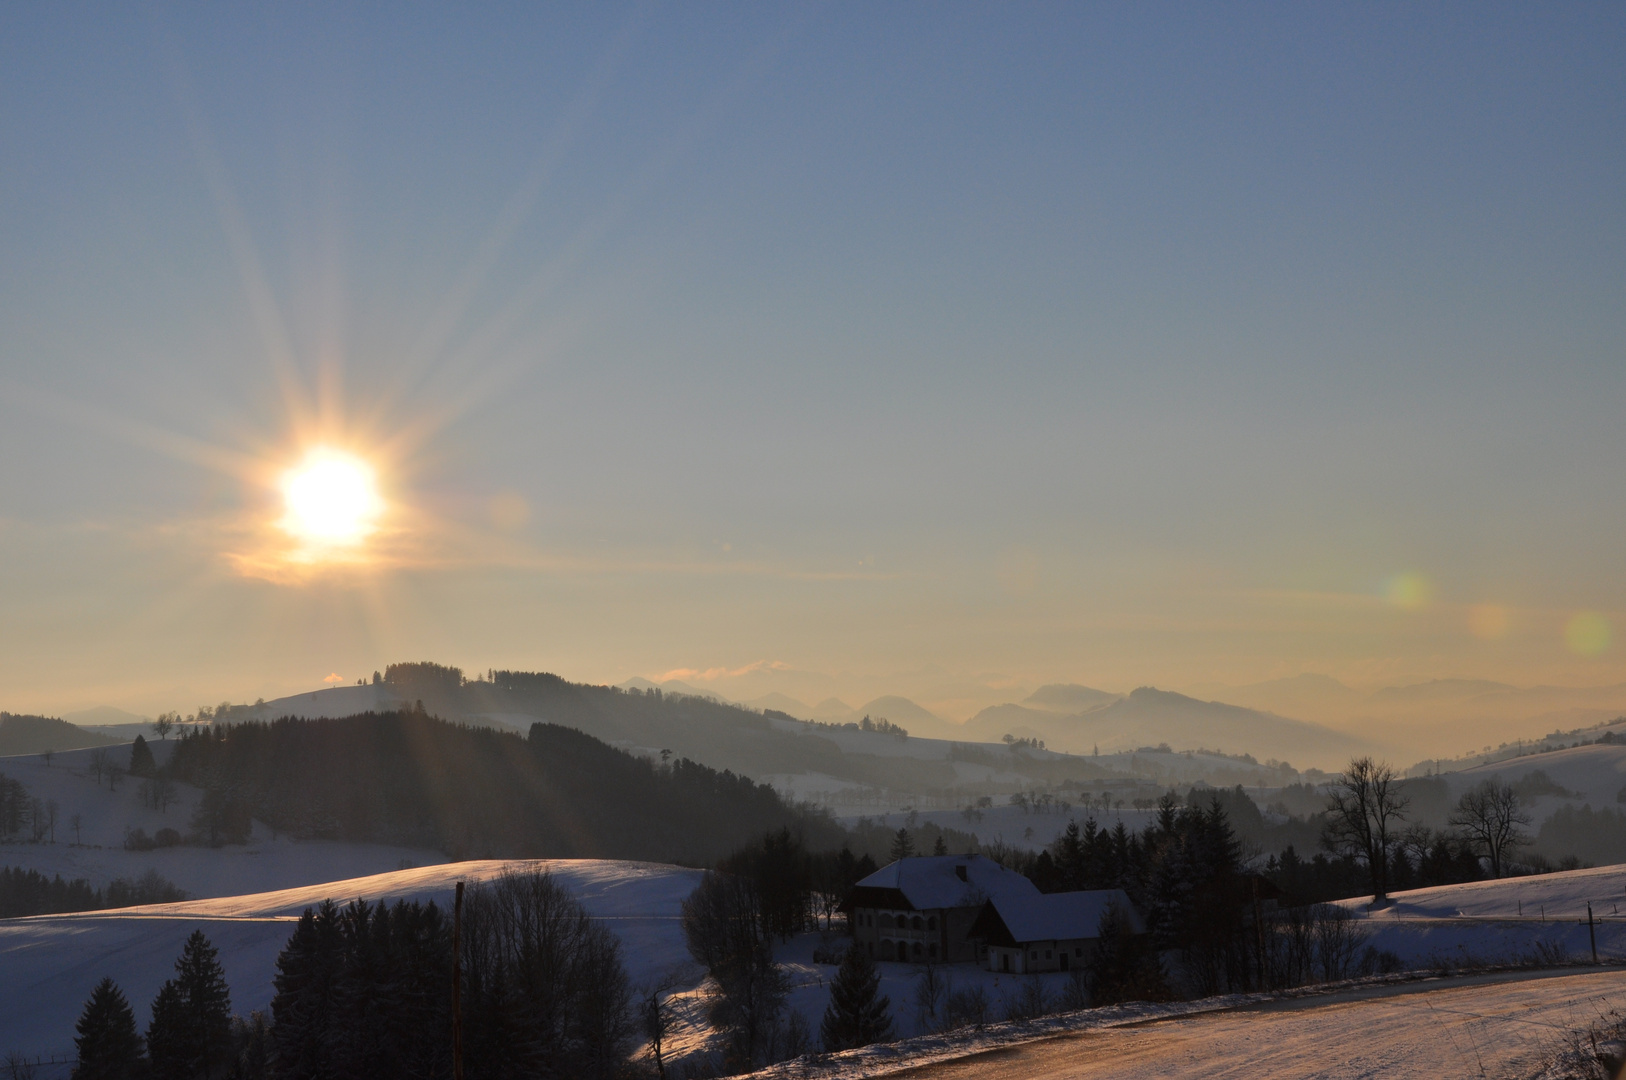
(948, 349)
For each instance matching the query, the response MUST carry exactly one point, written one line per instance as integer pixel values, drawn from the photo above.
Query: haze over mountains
(1307, 719)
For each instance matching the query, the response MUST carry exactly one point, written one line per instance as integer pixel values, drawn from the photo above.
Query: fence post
(1591, 933)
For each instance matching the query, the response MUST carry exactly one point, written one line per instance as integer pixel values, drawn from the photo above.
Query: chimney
(959, 871)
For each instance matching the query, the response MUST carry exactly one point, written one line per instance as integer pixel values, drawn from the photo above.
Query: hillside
(52, 961)
(410, 779)
(38, 734)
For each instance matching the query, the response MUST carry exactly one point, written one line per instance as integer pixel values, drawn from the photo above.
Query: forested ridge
(410, 778)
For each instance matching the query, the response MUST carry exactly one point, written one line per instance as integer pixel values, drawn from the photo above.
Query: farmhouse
(922, 909)
(1046, 931)
(969, 909)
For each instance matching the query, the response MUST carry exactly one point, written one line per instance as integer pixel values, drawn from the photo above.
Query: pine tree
(939, 848)
(902, 846)
(141, 760)
(306, 981)
(856, 1017)
(108, 1046)
(166, 1034)
(190, 1033)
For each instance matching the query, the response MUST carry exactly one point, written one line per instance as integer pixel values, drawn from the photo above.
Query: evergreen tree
(902, 846)
(141, 760)
(305, 982)
(166, 1034)
(855, 1016)
(109, 1048)
(939, 848)
(190, 1032)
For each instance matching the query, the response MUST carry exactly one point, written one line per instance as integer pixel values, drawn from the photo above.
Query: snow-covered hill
(1503, 921)
(51, 962)
(93, 819)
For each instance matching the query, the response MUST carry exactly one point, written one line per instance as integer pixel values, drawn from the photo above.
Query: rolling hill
(38, 734)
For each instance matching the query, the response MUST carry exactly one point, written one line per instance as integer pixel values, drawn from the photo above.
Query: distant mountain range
(1441, 717)
(1308, 719)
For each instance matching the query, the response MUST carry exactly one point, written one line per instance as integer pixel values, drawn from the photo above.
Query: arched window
(915, 923)
(886, 921)
(931, 950)
(931, 922)
(917, 950)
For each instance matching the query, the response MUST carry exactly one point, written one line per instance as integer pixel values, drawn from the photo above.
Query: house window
(931, 922)
(915, 923)
(1047, 954)
(1034, 955)
(1078, 952)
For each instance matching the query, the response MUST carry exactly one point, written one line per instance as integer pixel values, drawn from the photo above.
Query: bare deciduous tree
(1489, 818)
(98, 763)
(164, 724)
(1365, 809)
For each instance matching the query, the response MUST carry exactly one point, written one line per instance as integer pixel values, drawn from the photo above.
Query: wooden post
(457, 984)
(1591, 933)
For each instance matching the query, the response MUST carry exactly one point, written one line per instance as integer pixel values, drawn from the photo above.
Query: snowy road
(1487, 1026)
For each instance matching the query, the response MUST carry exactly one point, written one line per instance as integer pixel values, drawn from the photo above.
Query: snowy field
(96, 852)
(51, 962)
(1503, 921)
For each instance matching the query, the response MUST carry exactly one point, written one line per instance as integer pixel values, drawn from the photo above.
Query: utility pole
(1591, 933)
(457, 984)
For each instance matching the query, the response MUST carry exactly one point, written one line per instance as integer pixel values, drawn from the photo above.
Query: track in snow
(1494, 1026)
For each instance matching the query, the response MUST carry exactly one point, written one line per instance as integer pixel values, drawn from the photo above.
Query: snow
(52, 961)
(1510, 920)
(1502, 1026)
(934, 881)
(97, 853)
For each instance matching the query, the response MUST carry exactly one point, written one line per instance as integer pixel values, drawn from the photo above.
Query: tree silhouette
(108, 1046)
(856, 1016)
(190, 1032)
(902, 846)
(141, 760)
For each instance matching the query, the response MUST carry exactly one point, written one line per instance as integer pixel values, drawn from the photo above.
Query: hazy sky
(936, 349)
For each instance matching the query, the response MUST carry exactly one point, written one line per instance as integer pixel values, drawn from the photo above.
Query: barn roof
(1061, 916)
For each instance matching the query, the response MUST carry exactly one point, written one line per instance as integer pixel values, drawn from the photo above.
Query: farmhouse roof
(945, 881)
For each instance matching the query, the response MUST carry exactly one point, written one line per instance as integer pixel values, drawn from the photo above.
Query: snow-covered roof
(935, 881)
(1059, 916)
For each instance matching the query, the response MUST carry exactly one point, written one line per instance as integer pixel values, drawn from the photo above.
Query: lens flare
(1587, 633)
(1409, 591)
(331, 499)
(1488, 622)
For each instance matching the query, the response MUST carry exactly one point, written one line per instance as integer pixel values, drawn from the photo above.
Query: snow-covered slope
(94, 847)
(1502, 921)
(1596, 773)
(52, 962)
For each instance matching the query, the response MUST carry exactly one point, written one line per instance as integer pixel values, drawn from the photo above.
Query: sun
(331, 499)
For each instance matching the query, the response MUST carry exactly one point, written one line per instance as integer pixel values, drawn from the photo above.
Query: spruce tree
(308, 971)
(108, 1046)
(141, 760)
(166, 1035)
(190, 1032)
(902, 846)
(856, 1016)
